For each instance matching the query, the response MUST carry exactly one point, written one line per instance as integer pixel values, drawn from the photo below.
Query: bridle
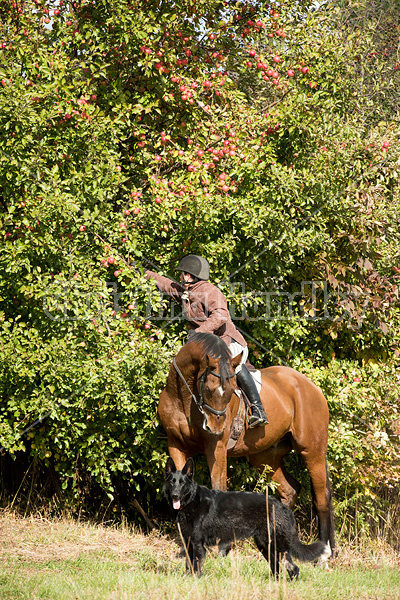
(200, 403)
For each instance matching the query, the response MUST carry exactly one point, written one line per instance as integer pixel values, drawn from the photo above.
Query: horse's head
(217, 383)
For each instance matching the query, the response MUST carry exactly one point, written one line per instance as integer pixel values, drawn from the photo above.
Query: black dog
(208, 517)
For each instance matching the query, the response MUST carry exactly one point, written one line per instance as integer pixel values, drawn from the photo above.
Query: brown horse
(197, 407)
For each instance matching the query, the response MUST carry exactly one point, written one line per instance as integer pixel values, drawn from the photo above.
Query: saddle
(244, 406)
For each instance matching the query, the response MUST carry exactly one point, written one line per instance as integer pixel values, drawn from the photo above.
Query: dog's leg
(199, 555)
(224, 549)
(292, 569)
(268, 551)
(189, 557)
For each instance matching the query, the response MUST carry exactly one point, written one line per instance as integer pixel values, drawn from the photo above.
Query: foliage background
(264, 137)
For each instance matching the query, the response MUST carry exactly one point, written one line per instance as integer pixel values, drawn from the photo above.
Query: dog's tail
(307, 553)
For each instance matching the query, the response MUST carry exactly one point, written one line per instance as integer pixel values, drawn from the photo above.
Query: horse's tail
(308, 553)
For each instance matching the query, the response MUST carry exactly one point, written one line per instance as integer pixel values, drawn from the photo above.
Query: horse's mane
(215, 347)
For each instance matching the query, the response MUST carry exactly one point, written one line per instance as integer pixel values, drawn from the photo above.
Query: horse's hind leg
(288, 488)
(321, 495)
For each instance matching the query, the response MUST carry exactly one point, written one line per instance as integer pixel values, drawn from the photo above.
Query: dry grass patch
(42, 539)
(70, 560)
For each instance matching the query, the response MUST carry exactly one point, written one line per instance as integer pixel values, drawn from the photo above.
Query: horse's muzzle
(214, 424)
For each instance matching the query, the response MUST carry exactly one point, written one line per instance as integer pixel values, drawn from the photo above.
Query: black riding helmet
(195, 265)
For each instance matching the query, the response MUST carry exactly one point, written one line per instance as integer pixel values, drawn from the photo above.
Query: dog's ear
(169, 467)
(236, 361)
(188, 469)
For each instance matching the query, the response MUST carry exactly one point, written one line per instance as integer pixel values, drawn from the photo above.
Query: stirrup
(255, 419)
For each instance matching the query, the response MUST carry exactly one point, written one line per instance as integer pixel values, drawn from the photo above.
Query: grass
(65, 560)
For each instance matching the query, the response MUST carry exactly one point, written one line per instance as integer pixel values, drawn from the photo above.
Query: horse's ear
(169, 467)
(236, 360)
(188, 469)
(212, 363)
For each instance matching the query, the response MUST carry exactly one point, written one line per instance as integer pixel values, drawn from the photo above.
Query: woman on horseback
(205, 308)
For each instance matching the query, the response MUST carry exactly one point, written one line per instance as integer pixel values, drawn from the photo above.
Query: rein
(200, 402)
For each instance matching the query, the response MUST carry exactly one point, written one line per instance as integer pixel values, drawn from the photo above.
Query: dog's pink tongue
(176, 504)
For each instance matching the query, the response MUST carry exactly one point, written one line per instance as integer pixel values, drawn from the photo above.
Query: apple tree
(261, 136)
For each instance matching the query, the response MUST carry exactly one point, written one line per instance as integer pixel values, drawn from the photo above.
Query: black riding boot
(247, 383)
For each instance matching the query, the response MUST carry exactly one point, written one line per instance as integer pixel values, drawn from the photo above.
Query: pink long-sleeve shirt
(204, 306)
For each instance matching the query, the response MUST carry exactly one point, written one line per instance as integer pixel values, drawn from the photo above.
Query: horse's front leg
(216, 455)
(218, 465)
(178, 456)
